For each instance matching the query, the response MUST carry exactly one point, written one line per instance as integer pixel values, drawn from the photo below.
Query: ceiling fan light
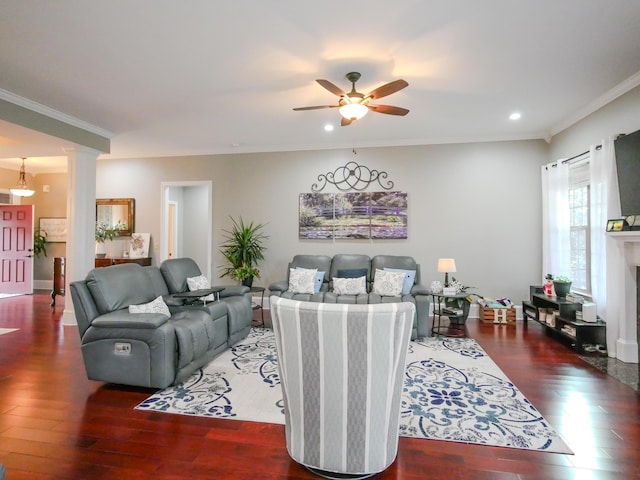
(353, 110)
(21, 190)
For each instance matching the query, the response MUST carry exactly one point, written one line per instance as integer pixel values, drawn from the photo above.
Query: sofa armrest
(277, 288)
(420, 290)
(124, 319)
(233, 290)
(422, 296)
(423, 317)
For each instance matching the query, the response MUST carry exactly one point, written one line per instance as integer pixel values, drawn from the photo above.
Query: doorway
(187, 222)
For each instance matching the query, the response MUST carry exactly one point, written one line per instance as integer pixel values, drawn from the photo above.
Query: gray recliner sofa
(332, 266)
(236, 298)
(151, 349)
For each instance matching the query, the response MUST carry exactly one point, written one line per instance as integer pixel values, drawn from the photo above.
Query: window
(579, 215)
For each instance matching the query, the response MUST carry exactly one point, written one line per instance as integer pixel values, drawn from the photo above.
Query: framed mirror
(114, 211)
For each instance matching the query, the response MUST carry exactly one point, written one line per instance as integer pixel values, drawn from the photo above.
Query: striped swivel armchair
(341, 370)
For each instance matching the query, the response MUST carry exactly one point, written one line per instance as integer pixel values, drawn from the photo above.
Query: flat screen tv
(628, 164)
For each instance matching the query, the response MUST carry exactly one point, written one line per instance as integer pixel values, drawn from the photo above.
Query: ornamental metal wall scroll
(352, 176)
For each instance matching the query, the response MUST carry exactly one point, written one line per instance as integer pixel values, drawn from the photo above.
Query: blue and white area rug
(452, 391)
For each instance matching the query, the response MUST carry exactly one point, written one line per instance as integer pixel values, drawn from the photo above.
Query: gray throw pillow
(352, 272)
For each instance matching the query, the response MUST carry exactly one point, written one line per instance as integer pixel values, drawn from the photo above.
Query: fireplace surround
(622, 293)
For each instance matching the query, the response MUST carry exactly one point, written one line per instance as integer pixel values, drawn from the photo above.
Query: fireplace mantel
(623, 268)
(631, 236)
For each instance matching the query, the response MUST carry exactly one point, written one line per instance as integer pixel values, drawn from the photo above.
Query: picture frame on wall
(55, 228)
(353, 215)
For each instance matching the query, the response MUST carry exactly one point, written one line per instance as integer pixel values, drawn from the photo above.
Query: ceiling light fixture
(353, 111)
(328, 127)
(21, 189)
(515, 116)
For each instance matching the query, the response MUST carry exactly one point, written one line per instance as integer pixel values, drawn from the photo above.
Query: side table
(58, 278)
(256, 306)
(456, 325)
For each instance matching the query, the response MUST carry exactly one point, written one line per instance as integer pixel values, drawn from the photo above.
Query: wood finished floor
(55, 424)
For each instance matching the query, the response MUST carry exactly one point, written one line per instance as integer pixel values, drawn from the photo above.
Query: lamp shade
(353, 110)
(21, 190)
(446, 265)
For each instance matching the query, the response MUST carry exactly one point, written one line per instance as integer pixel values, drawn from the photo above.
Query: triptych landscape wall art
(368, 215)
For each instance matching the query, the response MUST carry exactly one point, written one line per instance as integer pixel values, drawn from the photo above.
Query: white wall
(620, 116)
(196, 217)
(478, 203)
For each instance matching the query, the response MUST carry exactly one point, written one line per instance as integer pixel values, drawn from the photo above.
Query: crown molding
(55, 114)
(617, 91)
(250, 149)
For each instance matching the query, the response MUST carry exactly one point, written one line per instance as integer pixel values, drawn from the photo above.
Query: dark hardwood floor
(56, 424)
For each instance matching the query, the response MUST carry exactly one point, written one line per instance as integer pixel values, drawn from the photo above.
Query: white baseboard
(43, 284)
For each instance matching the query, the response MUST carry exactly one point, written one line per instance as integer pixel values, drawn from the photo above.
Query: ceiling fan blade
(317, 107)
(345, 121)
(388, 89)
(388, 109)
(331, 87)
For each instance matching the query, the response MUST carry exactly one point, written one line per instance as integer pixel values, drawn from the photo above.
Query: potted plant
(39, 239)
(103, 233)
(243, 249)
(562, 286)
(245, 274)
(460, 305)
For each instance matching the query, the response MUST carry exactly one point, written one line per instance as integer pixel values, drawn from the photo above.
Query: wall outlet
(122, 348)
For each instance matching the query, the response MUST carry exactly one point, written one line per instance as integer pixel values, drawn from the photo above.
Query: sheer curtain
(556, 241)
(605, 260)
(606, 263)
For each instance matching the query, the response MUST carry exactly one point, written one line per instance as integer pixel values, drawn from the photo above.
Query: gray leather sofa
(151, 349)
(418, 294)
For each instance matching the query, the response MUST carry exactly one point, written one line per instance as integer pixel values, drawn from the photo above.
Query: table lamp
(446, 265)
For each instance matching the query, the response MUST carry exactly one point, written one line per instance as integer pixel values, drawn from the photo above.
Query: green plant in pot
(103, 233)
(245, 274)
(462, 304)
(243, 248)
(562, 286)
(39, 240)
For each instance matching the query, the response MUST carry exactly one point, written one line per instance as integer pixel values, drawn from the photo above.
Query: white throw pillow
(198, 283)
(410, 276)
(302, 280)
(349, 286)
(156, 306)
(318, 280)
(388, 284)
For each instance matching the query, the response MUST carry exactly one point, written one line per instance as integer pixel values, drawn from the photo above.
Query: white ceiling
(180, 78)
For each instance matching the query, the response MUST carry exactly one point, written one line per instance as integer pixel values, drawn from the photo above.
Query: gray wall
(478, 203)
(620, 116)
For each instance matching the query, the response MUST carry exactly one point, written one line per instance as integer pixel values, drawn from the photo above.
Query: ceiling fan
(355, 105)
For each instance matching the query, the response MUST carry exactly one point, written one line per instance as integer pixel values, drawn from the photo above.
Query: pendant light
(21, 190)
